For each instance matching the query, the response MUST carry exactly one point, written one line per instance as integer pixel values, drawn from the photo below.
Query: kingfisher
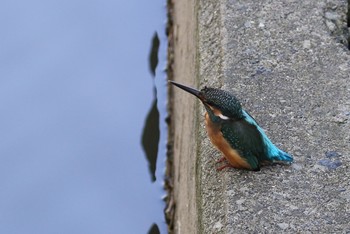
(235, 132)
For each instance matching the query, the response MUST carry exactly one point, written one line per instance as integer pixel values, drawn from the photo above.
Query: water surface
(75, 93)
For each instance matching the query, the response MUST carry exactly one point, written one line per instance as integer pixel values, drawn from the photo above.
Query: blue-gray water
(75, 92)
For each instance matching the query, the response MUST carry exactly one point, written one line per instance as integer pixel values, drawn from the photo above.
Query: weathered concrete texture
(281, 59)
(183, 116)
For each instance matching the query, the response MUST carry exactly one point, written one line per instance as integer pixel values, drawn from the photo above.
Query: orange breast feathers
(221, 144)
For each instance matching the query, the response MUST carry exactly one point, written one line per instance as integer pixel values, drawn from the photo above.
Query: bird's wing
(271, 152)
(246, 139)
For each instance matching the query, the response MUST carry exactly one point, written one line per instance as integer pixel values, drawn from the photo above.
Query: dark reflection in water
(155, 127)
(150, 138)
(154, 229)
(150, 135)
(153, 57)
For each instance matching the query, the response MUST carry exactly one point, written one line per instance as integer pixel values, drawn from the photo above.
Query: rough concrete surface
(183, 133)
(283, 59)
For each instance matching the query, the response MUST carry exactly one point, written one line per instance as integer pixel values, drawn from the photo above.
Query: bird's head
(219, 102)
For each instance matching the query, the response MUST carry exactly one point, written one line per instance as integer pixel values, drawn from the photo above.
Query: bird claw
(223, 159)
(223, 167)
(220, 160)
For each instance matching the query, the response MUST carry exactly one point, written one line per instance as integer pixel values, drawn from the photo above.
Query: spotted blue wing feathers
(245, 139)
(250, 141)
(271, 152)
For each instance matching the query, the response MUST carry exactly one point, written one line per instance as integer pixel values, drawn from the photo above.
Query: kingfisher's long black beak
(195, 92)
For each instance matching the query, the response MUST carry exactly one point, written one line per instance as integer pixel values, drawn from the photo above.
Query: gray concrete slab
(283, 59)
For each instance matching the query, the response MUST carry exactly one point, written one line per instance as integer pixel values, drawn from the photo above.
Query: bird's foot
(227, 164)
(223, 167)
(220, 160)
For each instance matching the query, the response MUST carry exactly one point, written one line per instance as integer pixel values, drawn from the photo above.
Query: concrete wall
(283, 60)
(184, 110)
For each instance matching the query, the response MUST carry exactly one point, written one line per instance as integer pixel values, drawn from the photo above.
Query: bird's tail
(283, 157)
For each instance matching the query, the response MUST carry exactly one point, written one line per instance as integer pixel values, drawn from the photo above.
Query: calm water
(76, 91)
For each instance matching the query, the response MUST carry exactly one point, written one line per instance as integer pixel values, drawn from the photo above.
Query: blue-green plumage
(270, 150)
(244, 136)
